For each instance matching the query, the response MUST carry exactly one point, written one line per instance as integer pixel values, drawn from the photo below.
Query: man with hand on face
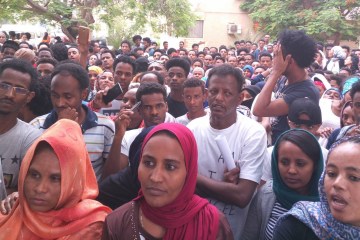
(69, 87)
(152, 109)
(294, 53)
(230, 190)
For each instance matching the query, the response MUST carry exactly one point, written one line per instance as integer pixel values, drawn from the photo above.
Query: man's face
(223, 53)
(177, 77)
(138, 41)
(157, 55)
(125, 48)
(8, 52)
(140, 52)
(45, 54)
(266, 61)
(261, 44)
(242, 63)
(198, 74)
(164, 59)
(192, 54)
(346, 51)
(232, 61)
(213, 50)
(107, 61)
(304, 117)
(123, 74)
(257, 72)
(195, 48)
(270, 48)
(223, 96)
(182, 53)
(66, 92)
(158, 67)
(45, 69)
(74, 54)
(96, 47)
(181, 44)
(208, 60)
(23, 45)
(11, 99)
(248, 59)
(146, 44)
(166, 45)
(194, 98)
(356, 107)
(153, 109)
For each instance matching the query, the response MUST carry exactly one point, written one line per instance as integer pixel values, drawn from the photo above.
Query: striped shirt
(276, 212)
(98, 131)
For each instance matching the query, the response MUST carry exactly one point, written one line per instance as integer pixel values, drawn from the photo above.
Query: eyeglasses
(4, 87)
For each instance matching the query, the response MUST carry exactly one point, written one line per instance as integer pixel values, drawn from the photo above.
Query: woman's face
(106, 79)
(162, 170)
(2, 37)
(92, 60)
(342, 183)
(92, 76)
(295, 167)
(332, 94)
(348, 61)
(348, 116)
(42, 186)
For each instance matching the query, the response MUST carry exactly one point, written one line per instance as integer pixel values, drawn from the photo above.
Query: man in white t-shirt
(230, 190)
(195, 95)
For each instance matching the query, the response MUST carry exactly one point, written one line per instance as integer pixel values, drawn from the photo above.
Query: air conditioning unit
(233, 28)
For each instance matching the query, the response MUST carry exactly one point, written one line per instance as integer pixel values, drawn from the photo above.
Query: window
(197, 30)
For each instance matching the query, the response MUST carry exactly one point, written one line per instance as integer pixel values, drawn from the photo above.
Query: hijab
(285, 195)
(318, 217)
(75, 209)
(188, 216)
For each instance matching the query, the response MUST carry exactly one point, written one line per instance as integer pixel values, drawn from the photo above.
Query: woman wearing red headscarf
(56, 188)
(166, 207)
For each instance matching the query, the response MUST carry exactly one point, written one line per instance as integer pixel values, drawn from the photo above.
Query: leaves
(322, 19)
(123, 17)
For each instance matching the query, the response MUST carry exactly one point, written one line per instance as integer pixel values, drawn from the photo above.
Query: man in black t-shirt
(178, 70)
(292, 55)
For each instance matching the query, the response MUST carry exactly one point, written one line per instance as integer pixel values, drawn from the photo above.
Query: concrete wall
(217, 14)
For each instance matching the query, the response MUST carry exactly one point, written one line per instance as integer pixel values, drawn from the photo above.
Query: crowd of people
(252, 141)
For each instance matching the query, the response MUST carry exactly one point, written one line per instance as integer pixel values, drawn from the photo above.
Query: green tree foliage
(323, 19)
(172, 16)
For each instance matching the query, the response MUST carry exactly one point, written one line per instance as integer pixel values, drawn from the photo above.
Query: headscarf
(348, 84)
(188, 216)
(339, 52)
(320, 80)
(96, 69)
(75, 209)
(348, 103)
(332, 89)
(250, 68)
(285, 195)
(318, 217)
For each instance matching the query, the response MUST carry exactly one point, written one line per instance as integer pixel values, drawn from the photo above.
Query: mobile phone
(136, 105)
(84, 33)
(113, 93)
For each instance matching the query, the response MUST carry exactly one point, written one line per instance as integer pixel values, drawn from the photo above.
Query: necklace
(141, 220)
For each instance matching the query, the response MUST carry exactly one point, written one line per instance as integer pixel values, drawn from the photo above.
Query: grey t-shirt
(13, 146)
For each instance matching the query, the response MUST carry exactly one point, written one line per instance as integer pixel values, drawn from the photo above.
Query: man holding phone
(124, 70)
(294, 52)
